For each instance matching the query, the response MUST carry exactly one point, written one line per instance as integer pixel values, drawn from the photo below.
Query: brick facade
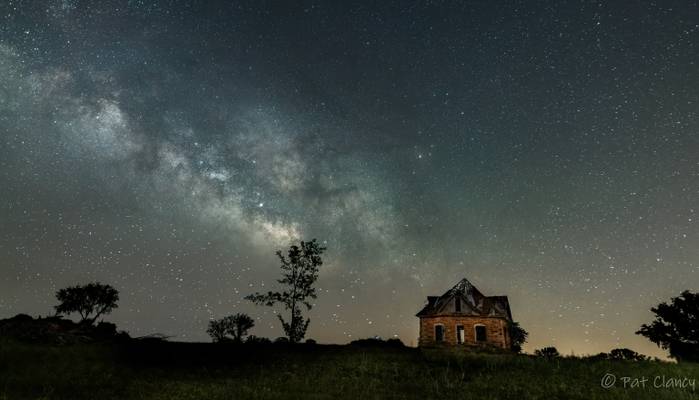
(485, 319)
(497, 334)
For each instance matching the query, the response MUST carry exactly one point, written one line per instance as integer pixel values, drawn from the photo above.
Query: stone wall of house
(496, 330)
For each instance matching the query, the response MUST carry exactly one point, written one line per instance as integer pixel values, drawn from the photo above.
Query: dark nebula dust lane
(547, 152)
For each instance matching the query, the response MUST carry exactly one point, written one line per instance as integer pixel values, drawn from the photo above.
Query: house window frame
(443, 331)
(460, 340)
(475, 333)
(457, 304)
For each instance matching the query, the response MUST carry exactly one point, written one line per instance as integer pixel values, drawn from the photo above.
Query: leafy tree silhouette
(299, 273)
(90, 301)
(242, 323)
(518, 336)
(237, 326)
(218, 329)
(676, 327)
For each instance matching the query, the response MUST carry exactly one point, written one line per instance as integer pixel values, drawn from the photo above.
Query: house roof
(473, 303)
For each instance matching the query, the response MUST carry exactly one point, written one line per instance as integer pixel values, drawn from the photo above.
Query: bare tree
(299, 273)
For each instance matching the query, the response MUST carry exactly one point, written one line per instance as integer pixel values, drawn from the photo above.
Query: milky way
(547, 152)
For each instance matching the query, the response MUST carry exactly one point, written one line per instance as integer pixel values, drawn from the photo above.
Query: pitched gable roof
(473, 302)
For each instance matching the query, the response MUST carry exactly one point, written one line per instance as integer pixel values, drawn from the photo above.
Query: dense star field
(548, 152)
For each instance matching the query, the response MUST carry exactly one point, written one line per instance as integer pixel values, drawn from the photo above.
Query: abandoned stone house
(464, 316)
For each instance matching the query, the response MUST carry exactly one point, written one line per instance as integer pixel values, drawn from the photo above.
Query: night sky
(545, 151)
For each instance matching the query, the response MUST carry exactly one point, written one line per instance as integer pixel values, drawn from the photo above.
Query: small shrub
(626, 354)
(619, 354)
(548, 352)
(598, 357)
(378, 342)
(20, 318)
(106, 329)
(252, 339)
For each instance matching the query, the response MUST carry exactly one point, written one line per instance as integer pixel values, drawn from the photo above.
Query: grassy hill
(163, 370)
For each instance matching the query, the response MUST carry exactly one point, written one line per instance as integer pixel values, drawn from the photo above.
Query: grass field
(208, 371)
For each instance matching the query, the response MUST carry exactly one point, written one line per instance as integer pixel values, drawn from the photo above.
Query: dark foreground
(162, 370)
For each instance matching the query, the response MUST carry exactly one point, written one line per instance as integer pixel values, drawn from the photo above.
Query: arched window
(439, 333)
(481, 334)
